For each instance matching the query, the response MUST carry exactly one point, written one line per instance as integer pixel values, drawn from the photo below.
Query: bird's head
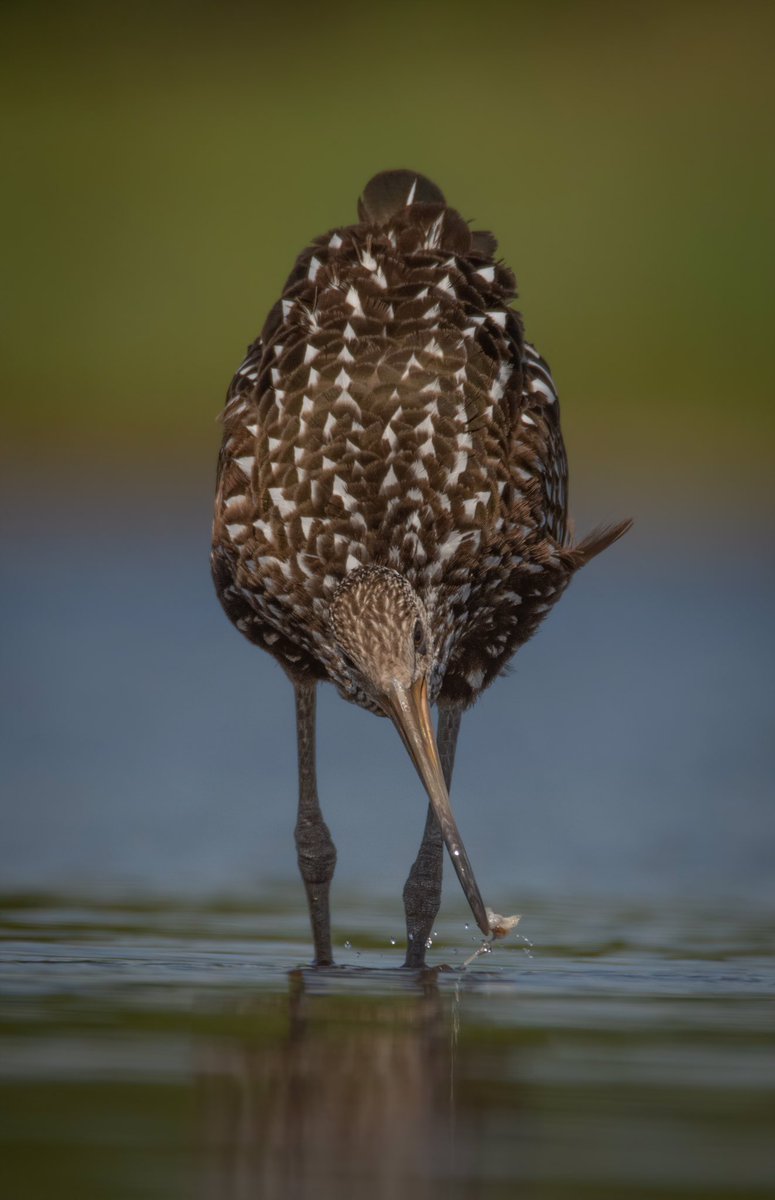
(382, 634)
(385, 642)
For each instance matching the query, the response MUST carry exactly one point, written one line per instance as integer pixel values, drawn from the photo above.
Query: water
(160, 1034)
(180, 1050)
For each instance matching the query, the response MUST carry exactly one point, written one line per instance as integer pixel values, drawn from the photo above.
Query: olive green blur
(165, 163)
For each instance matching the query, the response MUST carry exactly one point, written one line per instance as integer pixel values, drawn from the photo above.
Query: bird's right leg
(422, 890)
(314, 847)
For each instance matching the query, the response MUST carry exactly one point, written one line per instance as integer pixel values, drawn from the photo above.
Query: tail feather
(599, 540)
(388, 193)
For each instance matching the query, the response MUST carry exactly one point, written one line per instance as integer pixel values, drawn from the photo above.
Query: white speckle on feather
(354, 300)
(310, 353)
(232, 500)
(306, 525)
(434, 233)
(265, 528)
(450, 544)
(343, 379)
(536, 385)
(314, 267)
(460, 464)
(390, 480)
(412, 190)
(335, 241)
(527, 420)
(235, 530)
(246, 464)
(497, 318)
(340, 489)
(412, 365)
(284, 507)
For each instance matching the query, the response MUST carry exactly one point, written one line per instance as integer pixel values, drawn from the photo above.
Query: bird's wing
(238, 436)
(538, 461)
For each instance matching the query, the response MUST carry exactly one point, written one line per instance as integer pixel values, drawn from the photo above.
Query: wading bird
(391, 501)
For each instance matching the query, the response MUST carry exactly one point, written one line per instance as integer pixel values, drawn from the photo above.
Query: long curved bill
(410, 713)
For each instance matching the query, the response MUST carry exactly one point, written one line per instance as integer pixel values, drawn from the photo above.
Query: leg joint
(315, 850)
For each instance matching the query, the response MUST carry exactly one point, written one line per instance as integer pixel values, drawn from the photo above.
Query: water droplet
(429, 944)
(456, 853)
(348, 945)
(392, 941)
(467, 925)
(435, 933)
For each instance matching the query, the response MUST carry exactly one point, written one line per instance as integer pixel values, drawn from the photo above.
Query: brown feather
(392, 415)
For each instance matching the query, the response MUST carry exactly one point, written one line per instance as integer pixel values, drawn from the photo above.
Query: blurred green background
(164, 163)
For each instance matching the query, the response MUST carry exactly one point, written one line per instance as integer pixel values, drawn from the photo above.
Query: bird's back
(391, 414)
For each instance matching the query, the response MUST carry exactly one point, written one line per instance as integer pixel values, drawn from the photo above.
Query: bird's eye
(419, 638)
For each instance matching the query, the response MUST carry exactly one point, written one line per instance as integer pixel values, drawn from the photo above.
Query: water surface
(170, 1049)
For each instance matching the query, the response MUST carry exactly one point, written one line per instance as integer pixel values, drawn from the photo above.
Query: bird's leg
(314, 847)
(422, 890)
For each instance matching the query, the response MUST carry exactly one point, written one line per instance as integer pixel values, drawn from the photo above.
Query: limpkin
(391, 501)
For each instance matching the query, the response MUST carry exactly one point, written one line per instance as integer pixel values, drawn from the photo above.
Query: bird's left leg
(314, 846)
(422, 890)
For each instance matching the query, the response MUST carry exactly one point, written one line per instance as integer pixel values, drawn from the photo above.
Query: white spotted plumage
(391, 413)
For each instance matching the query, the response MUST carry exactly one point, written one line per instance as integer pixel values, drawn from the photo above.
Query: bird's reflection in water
(334, 1092)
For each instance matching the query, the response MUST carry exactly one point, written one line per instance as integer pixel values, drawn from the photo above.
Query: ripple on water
(632, 1051)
